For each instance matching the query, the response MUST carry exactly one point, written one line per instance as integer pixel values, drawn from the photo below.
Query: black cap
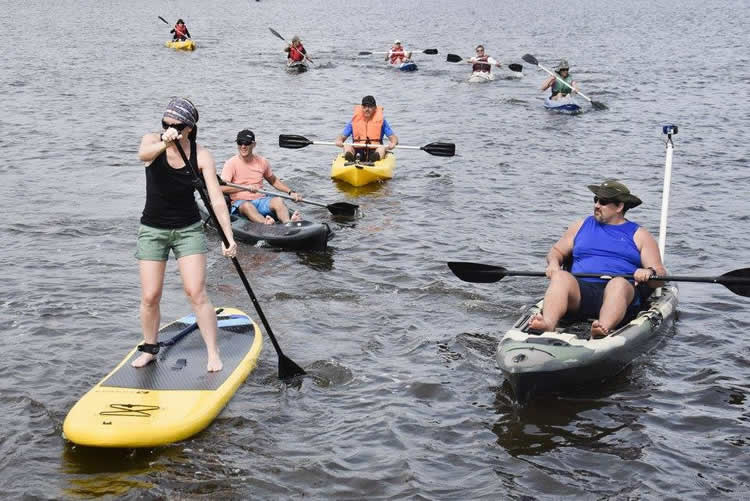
(245, 136)
(368, 101)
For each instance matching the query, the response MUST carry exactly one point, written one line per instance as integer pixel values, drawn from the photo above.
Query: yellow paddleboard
(360, 174)
(173, 397)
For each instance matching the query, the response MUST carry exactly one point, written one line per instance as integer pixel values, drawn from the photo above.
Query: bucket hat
(612, 189)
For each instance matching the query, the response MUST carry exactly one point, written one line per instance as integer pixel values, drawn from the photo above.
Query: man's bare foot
(296, 216)
(537, 323)
(143, 360)
(214, 363)
(269, 220)
(598, 330)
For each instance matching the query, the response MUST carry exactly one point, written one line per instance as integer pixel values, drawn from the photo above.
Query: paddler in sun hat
(397, 54)
(367, 126)
(171, 222)
(559, 89)
(296, 51)
(607, 243)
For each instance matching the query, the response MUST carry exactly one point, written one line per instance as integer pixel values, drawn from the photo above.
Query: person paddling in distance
(397, 54)
(367, 126)
(482, 63)
(171, 221)
(559, 89)
(248, 169)
(605, 243)
(180, 31)
(296, 51)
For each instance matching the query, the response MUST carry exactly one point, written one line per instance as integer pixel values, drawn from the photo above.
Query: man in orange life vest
(397, 54)
(180, 31)
(367, 126)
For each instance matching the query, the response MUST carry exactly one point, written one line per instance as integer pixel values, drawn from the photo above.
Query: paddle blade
(477, 272)
(293, 142)
(342, 209)
(598, 106)
(530, 59)
(737, 281)
(288, 369)
(364, 53)
(440, 149)
(453, 58)
(276, 33)
(431, 52)
(165, 21)
(515, 67)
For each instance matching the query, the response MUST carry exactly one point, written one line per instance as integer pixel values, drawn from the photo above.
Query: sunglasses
(178, 127)
(245, 143)
(604, 201)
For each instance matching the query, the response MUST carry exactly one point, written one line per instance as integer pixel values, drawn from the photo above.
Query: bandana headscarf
(183, 110)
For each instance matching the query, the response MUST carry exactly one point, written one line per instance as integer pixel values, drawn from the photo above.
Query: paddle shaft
(201, 187)
(565, 83)
(272, 194)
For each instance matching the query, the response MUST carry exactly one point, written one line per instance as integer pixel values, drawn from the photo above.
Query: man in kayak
(482, 62)
(296, 51)
(171, 221)
(559, 89)
(180, 31)
(397, 54)
(605, 243)
(367, 126)
(248, 169)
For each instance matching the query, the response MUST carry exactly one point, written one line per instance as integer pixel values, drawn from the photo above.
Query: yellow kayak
(180, 45)
(173, 397)
(362, 173)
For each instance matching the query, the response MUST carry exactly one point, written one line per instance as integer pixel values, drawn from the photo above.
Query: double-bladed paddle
(431, 52)
(287, 368)
(453, 58)
(295, 142)
(292, 47)
(337, 209)
(737, 281)
(532, 60)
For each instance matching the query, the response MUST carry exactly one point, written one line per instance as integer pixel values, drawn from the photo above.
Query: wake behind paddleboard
(172, 398)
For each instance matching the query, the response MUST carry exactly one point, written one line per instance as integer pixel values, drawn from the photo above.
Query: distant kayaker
(559, 89)
(367, 126)
(605, 243)
(483, 63)
(171, 221)
(296, 51)
(397, 54)
(248, 169)
(180, 31)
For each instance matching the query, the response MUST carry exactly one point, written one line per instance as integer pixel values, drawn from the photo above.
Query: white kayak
(481, 77)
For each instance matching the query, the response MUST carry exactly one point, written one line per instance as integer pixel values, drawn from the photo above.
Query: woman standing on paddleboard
(171, 221)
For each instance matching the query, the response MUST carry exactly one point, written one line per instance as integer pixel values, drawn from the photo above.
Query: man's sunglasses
(604, 201)
(178, 127)
(245, 143)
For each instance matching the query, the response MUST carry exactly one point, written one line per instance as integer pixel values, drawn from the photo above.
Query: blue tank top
(605, 248)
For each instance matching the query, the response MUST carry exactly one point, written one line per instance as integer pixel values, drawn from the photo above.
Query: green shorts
(154, 243)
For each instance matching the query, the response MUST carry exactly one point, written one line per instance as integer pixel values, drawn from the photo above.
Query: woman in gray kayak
(171, 221)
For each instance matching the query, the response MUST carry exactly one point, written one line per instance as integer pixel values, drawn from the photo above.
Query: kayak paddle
(337, 209)
(284, 39)
(431, 52)
(295, 142)
(453, 58)
(737, 281)
(287, 368)
(165, 21)
(532, 60)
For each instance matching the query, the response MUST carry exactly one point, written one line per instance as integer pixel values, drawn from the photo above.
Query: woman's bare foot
(143, 360)
(269, 220)
(537, 323)
(214, 362)
(598, 330)
(296, 216)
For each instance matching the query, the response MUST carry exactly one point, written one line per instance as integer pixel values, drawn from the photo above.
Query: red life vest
(481, 64)
(367, 131)
(397, 54)
(296, 53)
(180, 31)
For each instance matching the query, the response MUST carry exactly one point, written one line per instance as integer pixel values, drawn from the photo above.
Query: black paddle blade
(288, 369)
(453, 58)
(737, 281)
(276, 33)
(342, 209)
(432, 52)
(293, 142)
(364, 53)
(530, 59)
(477, 272)
(598, 106)
(440, 149)
(515, 67)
